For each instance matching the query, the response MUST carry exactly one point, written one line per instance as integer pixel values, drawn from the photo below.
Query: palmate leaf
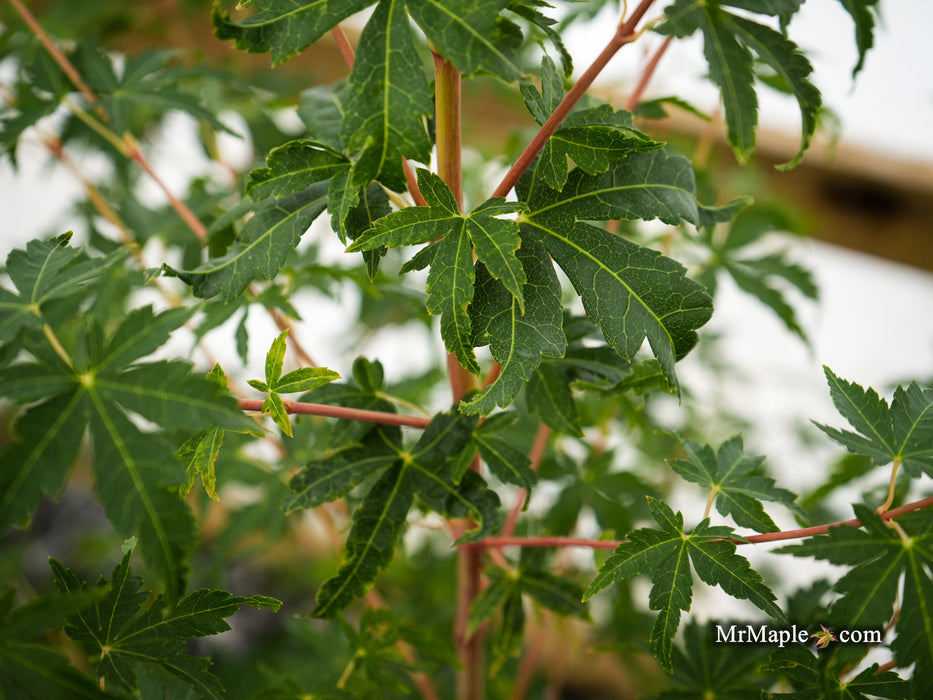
(424, 471)
(902, 432)
(123, 634)
(471, 34)
(629, 291)
(450, 282)
(137, 478)
(737, 481)
(387, 100)
(816, 680)
(666, 554)
(46, 271)
(704, 668)
(284, 27)
(29, 668)
(518, 341)
(881, 560)
(728, 44)
(262, 245)
(150, 80)
(593, 138)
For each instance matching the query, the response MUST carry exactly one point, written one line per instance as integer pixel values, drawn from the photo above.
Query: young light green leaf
(199, 453)
(283, 27)
(901, 432)
(119, 634)
(517, 342)
(275, 407)
(471, 35)
(737, 481)
(666, 554)
(275, 359)
(387, 100)
(262, 245)
(305, 379)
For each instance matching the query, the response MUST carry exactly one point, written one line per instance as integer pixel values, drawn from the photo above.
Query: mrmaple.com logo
(763, 634)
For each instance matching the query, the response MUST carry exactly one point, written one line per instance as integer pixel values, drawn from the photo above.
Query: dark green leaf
(629, 291)
(377, 525)
(283, 27)
(737, 481)
(120, 633)
(262, 246)
(387, 100)
(900, 433)
(517, 342)
(666, 554)
(881, 559)
(295, 166)
(863, 14)
(327, 479)
(471, 35)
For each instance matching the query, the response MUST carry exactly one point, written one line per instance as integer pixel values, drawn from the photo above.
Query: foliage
(400, 504)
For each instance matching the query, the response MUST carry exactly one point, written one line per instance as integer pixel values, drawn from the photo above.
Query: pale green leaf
(305, 379)
(274, 406)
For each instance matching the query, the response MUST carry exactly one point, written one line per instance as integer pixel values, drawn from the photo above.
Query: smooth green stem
(57, 345)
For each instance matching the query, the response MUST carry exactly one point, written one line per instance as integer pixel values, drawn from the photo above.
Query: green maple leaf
(151, 80)
(518, 341)
(883, 563)
(816, 680)
(504, 596)
(387, 100)
(450, 282)
(424, 471)
(137, 479)
(28, 663)
(262, 244)
(737, 481)
(507, 463)
(759, 275)
(863, 15)
(593, 138)
(901, 432)
(705, 669)
(729, 41)
(122, 633)
(45, 272)
(666, 555)
(629, 291)
(283, 27)
(295, 166)
(471, 34)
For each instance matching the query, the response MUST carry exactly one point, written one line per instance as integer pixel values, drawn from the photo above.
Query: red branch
(752, 539)
(625, 34)
(318, 409)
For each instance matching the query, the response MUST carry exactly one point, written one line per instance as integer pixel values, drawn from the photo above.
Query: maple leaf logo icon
(824, 637)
